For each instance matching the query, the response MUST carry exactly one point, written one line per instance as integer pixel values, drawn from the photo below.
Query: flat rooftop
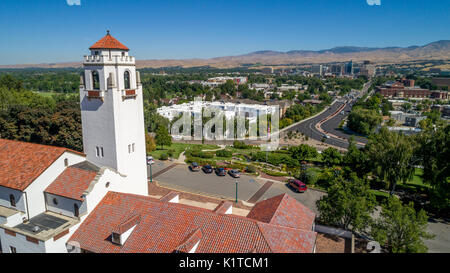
(44, 226)
(7, 212)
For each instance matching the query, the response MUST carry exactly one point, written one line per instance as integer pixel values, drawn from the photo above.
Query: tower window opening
(126, 77)
(95, 80)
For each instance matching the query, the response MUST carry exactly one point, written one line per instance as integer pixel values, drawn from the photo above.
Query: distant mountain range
(439, 50)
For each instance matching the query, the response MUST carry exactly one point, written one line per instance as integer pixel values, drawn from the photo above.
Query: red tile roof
(22, 162)
(285, 211)
(72, 182)
(168, 227)
(109, 42)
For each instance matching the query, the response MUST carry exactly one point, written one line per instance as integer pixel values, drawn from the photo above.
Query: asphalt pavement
(331, 126)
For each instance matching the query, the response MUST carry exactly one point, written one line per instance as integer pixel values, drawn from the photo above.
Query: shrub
(163, 157)
(170, 152)
(251, 169)
(310, 176)
(241, 145)
(224, 153)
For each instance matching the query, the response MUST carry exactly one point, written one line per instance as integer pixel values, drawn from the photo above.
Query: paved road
(441, 243)
(308, 127)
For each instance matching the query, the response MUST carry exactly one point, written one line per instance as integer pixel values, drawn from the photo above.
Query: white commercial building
(230, 110)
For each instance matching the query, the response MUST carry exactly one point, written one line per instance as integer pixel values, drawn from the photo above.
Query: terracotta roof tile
(168, 227)
(109, 42)
(22, 162)
(72, 182)
(283, 210)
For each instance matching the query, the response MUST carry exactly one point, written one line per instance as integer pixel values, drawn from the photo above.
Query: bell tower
(112, 112)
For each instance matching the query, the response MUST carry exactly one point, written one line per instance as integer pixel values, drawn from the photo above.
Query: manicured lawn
(417, 179)
(178, 148)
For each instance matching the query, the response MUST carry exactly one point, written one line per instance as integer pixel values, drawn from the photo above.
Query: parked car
(221, 172)
(297, 185)
(194, 167)
(234, 173)
(207, 169)
(150, 160)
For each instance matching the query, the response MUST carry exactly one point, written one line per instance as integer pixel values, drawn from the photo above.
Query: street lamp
(151, 174)
(236, 191)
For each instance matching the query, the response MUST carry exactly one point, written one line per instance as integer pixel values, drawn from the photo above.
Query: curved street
(327, 123)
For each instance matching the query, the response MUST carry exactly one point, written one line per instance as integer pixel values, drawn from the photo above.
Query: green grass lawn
(178, 148)
(416, 183)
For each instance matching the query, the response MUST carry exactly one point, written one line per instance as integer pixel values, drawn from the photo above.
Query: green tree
(163, 137)
(434, 154)
(150, 144)
(303, 152)
(356, 159)
(331, 156)
(363, 121)
(348, 204)
(391, 157)
(400, 229)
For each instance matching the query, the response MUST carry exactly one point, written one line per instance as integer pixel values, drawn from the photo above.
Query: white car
(150, 160)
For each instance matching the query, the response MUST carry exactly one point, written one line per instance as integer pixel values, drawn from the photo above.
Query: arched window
(76, 210)
(12, 200)
(126, 79)
(95, 80)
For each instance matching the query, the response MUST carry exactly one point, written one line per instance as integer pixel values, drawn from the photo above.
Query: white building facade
(47, 192)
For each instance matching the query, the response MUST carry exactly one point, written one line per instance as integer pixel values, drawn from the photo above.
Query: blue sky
(47, 31)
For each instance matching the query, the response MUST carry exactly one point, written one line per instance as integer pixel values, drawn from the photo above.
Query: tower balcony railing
(95, 94)
(104, 59)
(129, 93)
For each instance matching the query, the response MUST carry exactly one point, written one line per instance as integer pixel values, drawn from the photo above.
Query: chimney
(225, 207)
(190, 244)
(121, 232)
(171, 197)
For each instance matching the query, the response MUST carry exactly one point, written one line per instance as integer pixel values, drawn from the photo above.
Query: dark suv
(221, 172)
(207, 169)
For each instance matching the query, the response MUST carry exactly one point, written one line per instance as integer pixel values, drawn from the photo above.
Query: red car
(297, 185)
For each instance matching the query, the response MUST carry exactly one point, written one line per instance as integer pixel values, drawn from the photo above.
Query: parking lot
(181, 178)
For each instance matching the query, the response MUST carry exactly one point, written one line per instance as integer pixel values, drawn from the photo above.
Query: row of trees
(389, 158)
(28, 116)
(350, 204)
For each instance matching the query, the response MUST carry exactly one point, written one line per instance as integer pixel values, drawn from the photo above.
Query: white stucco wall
(18, 195)
(20, 243)
(65, 205)
(35, 191)
(115, 123)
